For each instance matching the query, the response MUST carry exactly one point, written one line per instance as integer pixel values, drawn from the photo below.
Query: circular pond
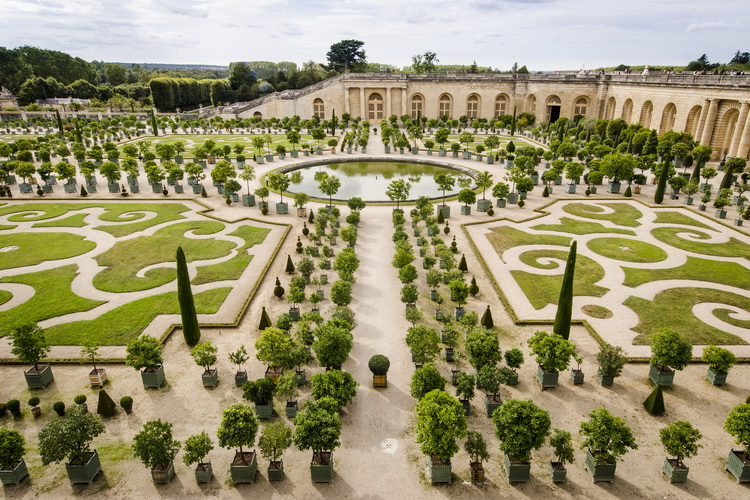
(369, 179)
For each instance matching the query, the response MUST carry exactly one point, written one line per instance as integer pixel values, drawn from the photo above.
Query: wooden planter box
(577, 376)
(558, 472)
(276, 471)
(379, 381)
(492, 403)
(84, 473)
(661, 376)
(39, 377)
(161, 474)
(210, 377)
(483, 205)
(282, 208)
(240, 378)
(300, 377)
(197, 188)
(547, 380)
(614, 187)
(517, 472)
(248, 200)
(459, 312)
(14, 475)
(600, 472)
(291, 409)
(449, 355)
(501, 202)
(606, 380)
(716, 378)
(204, 472)
(243, 471)
(466, 404)
(477, 471)
(440, 472)
(465, 210)
(512, 379)
(98, 377)
(264, 411)
(321, 467)
(153, 379)
(738, 463)
(675, 471)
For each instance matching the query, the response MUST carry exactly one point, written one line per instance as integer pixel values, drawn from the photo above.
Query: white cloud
(707, 26)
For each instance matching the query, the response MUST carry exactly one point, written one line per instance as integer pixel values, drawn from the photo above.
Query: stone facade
(713, 108)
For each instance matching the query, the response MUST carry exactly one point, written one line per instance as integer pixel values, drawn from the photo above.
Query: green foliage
(562, 445)
(482, 347)
(69, 438)
(738, 425)
(317, 426)
(204, 354)
(341, 293)
(465, 386)
(440, 421)
(239, 357)
(719, 359)
(680, 440)
(274, 440)
(274, 347)
(521, 427)
(105, 406)
(29, 343)
(513, 358)
(289, 264)
(335, 384)
(12, 447)
(332, 345)
(259, 391)
(265, 320)
(197, 447)
(669, 349)
(486, 321)
(154, 444)
(426, 379)
(565, 301)
(611, 360)
(552, 352)
(126, 402)
(379, 364)
(607, 436)
(238, 427)
(476, 447)
(459, 291)
(423, 342)
(80, 399)
(143, 352)
(59, 408)
(654, 403)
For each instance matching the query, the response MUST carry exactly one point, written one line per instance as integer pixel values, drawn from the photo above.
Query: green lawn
(75, 220)
(128, 257)
(503, 238)
(5, 297)
(627, 250)
(669, 217)
(192, 141)
(35, 248)
(119, 326)
(53, 298)
(673, 309)
(598, 312)
(727, 273)
(724, 315)
(542, 289)
(233, 268)
(623, 215)
(573, 226)
(732, 248)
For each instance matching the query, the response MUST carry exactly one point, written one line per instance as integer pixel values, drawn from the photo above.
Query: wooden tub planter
(276, 470)
(440, 472)
(380, 381)
(606, 380)
(548, 380)
(716, 377)
(321, 467)
(98, 377)
(577, 376)
(291, 409)
(210, 377)
(15, 474)
(84, 473)
(162, 474)
(240, 378)
(39, 377)
(675, 470)
(511, 379)
(738, 463)
(600, 472)
(274, 372)
(244, 467)
(558, 472)
(477, 472)
(517, 471)
(661, 375)
(491, 403)
(204, 472)
(153, 378)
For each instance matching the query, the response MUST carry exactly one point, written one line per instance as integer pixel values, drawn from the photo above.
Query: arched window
(531, 104)
(691, 127)
(319, 108)
(581, 106)
(610, 111)
(501, 105)
(444, 106)
(257, 114)
(646, 112)
(417, 110)
(375, 107)
(472, 107)
(627, 110)
(667, 118)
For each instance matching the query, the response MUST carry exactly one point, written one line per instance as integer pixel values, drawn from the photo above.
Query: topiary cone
(545, 193)
(105, 407)
(190, 328)
(289, 264)
(654, 403)
(83, 191)
(486, 320)
(628, 193)
(265, 320)
(462, 265)
(440, 218)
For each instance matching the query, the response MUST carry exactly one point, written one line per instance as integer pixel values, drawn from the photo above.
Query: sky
(541, 34)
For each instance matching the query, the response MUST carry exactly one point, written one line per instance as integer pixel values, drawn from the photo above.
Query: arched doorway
(417, 110)
(667, 118)
(472, 107)
(531, 104)
(375, 107)
(319, 108)
(627, 110)
(647, 112)
(553, 108)
(501, 105)
(724, 131)
(609, 112)
(691, 126)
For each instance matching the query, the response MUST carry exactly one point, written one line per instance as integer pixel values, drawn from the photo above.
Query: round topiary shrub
(490, 212)
(14, 406)
(127, 403)
(59, 408)
(80, 399)
(34, 401)
(379, 364)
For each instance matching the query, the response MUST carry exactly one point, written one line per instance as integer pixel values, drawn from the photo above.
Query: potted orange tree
(318, 428)
(30, 346)
(238, 428)
(155, 447)
(196, 449)
(12, 448)
(274, 440)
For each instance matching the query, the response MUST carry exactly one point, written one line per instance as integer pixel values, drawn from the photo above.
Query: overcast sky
(542, 34)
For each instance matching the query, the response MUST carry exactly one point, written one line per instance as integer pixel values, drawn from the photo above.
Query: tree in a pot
(156, 448)
(424, 344)
(286, 388)
(205, 356)
(379, 365)
(445, 182)
(611, 361)
(300, 200)
(553, 355)
(97, 376)
(279, 182)
(669, 352)
(720, 361)
(468, 198)
(318, 428)
(440, 422)
(144, 353)
(261, 393)
(484, 181)
(333, 344)
(562, 445)
(737, 424)
(196, 449)
(465, 390)
(521, 426)
(335, 384)
(239, 357)
(489, 377)
(273, 442)
(482, 347)
(459, 293)
(238, 428)
(425, 380)
(30, 346)
(607, 437)
(680, 440)
(274, 347)
(513, 359)
(476, 448)
(12, 449)
(69, 439)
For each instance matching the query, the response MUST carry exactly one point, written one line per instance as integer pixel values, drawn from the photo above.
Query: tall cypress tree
(190, 328)
(663, 178)
(59, 122)
(565, 302)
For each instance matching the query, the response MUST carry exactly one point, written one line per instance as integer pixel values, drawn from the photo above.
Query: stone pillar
(387, 103)
(744, 146)
(702, 119)
(347, 106)
(739, 129)
(708, 129)
(362, 110)
(403, 101)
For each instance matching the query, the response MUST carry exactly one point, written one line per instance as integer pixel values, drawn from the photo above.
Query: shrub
(80, 399)
(607, 436)
(426, 379)
(13, 448)
(59, 408)
(259, 391)
(718, 358)
(379, 364)
(680, 440)
(476, 447)
(521, 426)
(611, 360)
(126, 402)
(105, 406)
(33, 401)
(668, 349)
(13, 406)
(552, 352)
(738, 425)
(154, 444)
(336, 384)
(654, 403)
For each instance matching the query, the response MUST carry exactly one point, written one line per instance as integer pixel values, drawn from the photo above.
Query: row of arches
(501, 106)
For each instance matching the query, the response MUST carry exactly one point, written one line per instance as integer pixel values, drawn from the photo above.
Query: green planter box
(294, 313)
(577, 376)
(276, 471)
(501, 202)
(240, 378)
(490, 160)
(113, 188)
(449, 354)
(491, 404)
(161, 474)
(248, 200)
(513, 198)
(465, 210)
(204, 472)
(299, 376)
(321, 467)
(40, 377)
(517, 472)
(210, 378)
(547, 380)
(440, 472)
(483, 205)
(291, 409)
(606, 380)
(673, 472)
(558, 472)
(739, 465)
(14, 475)
(264, 412)
(570, 189)
(179, 188)
(243, 471)
(512, 379)
(85, 473)
(282, 208)
(660, 376)
(614, 187)
(459, 312)
(135, 189)
(716, 378)
(197, 188)
(156, 188)
(600, 472)
(153, 379)
(721, 214)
